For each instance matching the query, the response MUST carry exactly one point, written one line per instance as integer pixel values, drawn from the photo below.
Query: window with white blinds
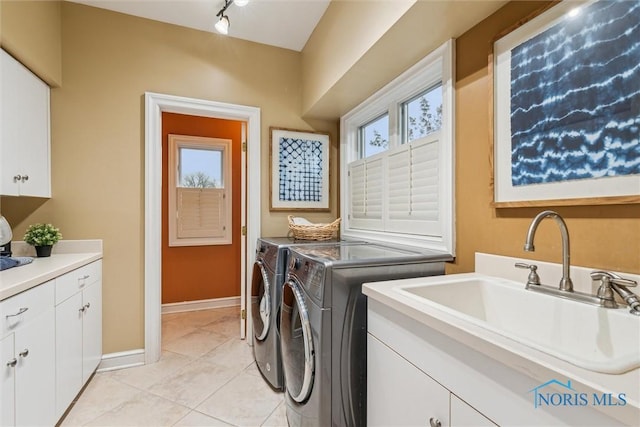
(199, 191)
(404, 194)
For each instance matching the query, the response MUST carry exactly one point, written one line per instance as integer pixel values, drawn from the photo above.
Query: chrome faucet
(566, 284)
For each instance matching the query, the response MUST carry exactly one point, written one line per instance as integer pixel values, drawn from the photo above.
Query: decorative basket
(313, 231)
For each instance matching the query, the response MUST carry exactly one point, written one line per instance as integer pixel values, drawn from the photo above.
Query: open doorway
(201, 224)
(155, 105)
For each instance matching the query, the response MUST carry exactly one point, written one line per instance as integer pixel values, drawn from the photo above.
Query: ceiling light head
(240, 3)
(222, 26)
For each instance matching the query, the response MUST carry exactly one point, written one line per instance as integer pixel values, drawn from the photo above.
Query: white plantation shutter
(397, 191)
(413, 188)
(366, 181)
(201, 212)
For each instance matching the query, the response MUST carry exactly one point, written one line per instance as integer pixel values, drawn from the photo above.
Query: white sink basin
(594, 338)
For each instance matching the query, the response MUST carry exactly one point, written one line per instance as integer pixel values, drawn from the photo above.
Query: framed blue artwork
(299, 170)
(566, 114)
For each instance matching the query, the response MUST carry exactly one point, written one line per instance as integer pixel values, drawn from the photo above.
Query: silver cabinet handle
(85, 277)
(24, 353)
(17, 178)
(12, 363)
(82, 309)
(22, 310)
(434, 422)
(25, 178)
(87, 305)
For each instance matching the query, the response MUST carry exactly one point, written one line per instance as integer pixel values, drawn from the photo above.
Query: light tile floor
(206, 376)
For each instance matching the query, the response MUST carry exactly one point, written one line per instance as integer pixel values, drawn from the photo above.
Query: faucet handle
(533, 278)
(606, 276)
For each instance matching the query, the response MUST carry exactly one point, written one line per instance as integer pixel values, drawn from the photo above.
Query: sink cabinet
(28, 364)
(78, 331)
(481, 389)
(400, 394)
(24, 131)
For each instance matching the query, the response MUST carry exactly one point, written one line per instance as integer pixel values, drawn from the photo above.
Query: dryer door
(260, 300)
(296, 342)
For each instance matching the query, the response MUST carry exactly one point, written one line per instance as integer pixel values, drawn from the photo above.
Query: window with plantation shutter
(199, 182)
(402, 192)
(200, 213)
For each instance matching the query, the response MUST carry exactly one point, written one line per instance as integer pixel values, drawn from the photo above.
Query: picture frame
(565, 116)
(299, 170)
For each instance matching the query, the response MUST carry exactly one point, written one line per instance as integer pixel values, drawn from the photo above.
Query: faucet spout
(566, 284)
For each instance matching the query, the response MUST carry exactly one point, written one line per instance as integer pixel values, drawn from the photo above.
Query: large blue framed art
(567, 107)
(299, 170)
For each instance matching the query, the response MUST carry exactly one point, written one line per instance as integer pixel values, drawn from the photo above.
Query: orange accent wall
(192, 273)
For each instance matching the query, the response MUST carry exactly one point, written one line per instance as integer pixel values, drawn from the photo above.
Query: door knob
(12, 363)
(24, 353)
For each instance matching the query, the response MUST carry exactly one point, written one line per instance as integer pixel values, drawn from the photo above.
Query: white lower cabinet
(28, 362)
(78, 331)
(400, 394)
(463, 415)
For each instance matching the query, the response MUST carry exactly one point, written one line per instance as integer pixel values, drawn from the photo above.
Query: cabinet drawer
(74, 281)
(20, 309)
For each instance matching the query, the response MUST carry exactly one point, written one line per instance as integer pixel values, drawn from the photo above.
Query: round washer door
(260, 301)
(296, 342)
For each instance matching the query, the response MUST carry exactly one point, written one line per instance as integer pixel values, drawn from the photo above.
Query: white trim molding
(155, 105)
(181, 307)
(121, 360)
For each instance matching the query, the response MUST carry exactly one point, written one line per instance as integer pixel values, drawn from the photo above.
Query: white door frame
(155, 105)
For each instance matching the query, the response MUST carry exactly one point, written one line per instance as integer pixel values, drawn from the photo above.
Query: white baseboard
(204, 304)
(121, 360)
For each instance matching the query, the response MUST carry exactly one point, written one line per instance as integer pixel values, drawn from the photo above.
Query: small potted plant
(43, 237)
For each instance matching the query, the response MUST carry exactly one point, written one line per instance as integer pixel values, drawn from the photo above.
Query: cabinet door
(25, 132)
(68, 351)
(398, 393)
(35, 371)
(7, 393)
(463, 415)
(92, 329)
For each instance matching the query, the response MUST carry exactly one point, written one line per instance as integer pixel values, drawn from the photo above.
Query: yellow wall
(347, 59)
(109, 61)
(30, 31)
(606, 237)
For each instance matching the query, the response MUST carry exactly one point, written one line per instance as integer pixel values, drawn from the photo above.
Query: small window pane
(374, 137)
(422, 115)
(200, 168)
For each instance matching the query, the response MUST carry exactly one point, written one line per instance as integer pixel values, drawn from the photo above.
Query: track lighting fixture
(222, 26)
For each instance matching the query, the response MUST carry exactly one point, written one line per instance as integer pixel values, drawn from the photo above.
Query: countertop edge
(69, 263)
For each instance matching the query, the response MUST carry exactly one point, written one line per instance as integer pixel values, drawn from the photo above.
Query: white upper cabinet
(25, 165)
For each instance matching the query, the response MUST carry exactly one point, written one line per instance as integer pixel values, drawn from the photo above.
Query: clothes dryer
(266, 289)
(323, 326)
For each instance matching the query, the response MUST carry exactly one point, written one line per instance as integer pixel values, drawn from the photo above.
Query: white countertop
(66, 256)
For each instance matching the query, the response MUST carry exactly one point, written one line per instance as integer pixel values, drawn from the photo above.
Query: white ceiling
(283, 23)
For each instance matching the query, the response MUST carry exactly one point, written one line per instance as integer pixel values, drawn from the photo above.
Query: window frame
(436, 68)
(175, 143)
